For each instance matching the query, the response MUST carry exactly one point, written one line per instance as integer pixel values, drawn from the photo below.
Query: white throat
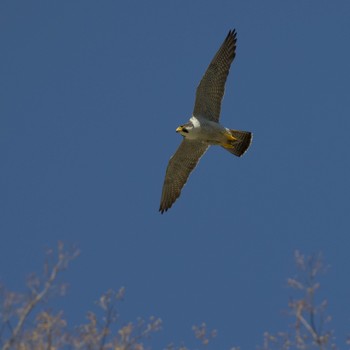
(195, 122)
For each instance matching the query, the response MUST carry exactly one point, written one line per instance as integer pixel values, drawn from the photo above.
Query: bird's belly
(208, 134)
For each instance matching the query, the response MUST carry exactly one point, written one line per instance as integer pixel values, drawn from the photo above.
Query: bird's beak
(179, 129)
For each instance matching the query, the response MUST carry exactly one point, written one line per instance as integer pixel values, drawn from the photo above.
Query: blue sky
(91, 95)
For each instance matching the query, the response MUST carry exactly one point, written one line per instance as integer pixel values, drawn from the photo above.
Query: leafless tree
(26, 322)
(21, 328)
(310, 320)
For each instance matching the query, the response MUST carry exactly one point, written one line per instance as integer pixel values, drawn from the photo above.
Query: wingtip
(164, 207)
(233, 33)
(231, 37)
(162, 210)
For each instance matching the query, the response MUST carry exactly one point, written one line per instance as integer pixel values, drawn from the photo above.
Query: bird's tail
(238, 142)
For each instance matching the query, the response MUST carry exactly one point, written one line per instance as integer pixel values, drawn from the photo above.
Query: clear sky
(91, 94)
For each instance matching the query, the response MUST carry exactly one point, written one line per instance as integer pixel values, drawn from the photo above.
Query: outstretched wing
(179, 169)
(211, 89)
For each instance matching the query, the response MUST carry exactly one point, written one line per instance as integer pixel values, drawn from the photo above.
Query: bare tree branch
(37, 297)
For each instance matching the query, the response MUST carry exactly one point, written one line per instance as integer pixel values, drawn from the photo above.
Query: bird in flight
(203, 128)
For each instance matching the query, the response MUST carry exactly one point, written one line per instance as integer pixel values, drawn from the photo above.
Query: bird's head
(184, 129)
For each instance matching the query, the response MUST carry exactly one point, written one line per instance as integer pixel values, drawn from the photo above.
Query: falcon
(203, 129)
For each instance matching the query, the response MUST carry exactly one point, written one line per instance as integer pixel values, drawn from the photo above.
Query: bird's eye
(184, 130)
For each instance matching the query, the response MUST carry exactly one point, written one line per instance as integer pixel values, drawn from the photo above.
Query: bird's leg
(229, 137)
(229, 141)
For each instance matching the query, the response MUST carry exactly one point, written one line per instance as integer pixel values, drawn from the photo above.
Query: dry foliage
(309, 328)
(23, 327)
(26, 325)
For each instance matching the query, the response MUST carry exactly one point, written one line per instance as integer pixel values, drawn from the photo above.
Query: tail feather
(239, 146)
